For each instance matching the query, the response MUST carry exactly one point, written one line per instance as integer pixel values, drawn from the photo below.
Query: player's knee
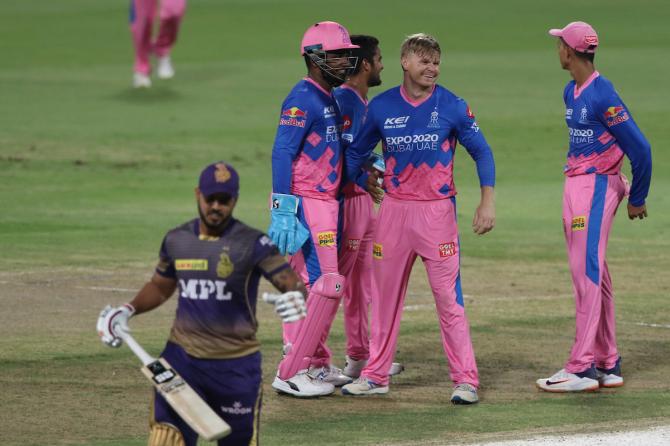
(165, 435)
(329, 285)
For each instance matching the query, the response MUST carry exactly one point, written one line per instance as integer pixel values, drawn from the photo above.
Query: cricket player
(306, 173)
(601, 131)
(215, 263)
(142, 16)
(358, 214)
(419, 124)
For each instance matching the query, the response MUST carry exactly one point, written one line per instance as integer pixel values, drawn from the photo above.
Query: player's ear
(403, 63)
(197, 193)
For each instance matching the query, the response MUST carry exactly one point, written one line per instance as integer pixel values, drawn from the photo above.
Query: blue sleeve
(294, 122)
(166, 267)
(614, 114)
(474, 142)
(266, 257)
(361, 148)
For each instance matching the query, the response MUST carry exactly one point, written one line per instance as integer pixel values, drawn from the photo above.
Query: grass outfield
(92, 174)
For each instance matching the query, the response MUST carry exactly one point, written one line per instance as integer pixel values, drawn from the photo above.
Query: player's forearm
(287, 280)
(487, 196)
(282, 171)
(153, 294)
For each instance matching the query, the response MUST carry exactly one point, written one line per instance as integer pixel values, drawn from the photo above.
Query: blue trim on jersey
(309, 250)
(131, 12)
(458, 288)
(595, 223)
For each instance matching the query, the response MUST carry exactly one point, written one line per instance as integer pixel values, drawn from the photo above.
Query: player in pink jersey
(358, 214)
(142, 16)
(306, 173)
(601, 132)
(419, 124)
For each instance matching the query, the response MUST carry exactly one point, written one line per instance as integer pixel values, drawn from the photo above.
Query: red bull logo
(293, 116)
(469, 113)
(294, 112)
(615, 115)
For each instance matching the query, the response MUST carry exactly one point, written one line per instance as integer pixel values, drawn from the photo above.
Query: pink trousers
(407, 230)
(318, 256)
(142, 16)
(589, 206)
(355, 263)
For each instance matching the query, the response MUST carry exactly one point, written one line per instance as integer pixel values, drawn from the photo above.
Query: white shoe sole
(583, 385)
(608, 383)
(376, 391)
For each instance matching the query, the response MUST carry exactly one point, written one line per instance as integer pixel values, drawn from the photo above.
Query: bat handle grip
(145, 357)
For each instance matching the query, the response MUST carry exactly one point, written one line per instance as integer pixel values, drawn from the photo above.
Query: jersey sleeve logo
(293, 116)
(469, 113)
(346, 122)
(615, 115)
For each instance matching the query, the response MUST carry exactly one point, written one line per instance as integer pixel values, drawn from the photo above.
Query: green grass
(93, 173)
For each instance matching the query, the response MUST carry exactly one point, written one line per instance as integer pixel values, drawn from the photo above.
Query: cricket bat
(183, 399)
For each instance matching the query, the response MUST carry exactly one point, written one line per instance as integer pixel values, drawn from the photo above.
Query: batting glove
(111, 320)
(285, 230)
(289, 306)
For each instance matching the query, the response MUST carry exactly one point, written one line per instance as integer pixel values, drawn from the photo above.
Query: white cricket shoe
(464, 394)
(165, 69)
(363, 386)
(610, 377)
(396, 368)
(141, 80)
(302, 386)
(563, 381)
(329, 374)
(353, 367)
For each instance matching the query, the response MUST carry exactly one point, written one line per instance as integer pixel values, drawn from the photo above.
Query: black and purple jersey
(601, 130)
(217, 281)
(419, 142)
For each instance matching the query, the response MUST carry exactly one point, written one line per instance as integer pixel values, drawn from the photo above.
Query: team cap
(580, 36)
(219, 178)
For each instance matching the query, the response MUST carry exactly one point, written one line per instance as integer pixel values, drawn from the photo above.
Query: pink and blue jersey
(419, 141)
(353, 108)
(601, 131)
(307, 154)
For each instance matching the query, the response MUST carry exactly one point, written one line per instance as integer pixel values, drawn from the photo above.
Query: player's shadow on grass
(153, 95)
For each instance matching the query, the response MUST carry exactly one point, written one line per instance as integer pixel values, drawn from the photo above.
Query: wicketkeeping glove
(111, 320)
(289, 306)
(285, 230)
(376, 162)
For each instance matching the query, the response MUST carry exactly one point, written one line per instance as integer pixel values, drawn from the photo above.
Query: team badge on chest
(225, 266)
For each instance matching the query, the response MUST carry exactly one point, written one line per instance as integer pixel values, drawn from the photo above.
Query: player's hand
(285, 230)
(485, 215)
(289, 306)
(637, 211)
(111, 320)
(372, 186)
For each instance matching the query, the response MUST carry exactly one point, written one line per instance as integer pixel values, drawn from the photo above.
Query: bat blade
(185, 401)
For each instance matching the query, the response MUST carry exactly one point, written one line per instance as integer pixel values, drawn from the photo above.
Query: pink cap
(580, 36)
(326, 36)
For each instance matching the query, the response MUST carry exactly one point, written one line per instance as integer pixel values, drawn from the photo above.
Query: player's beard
(375, 80)
(214, 228)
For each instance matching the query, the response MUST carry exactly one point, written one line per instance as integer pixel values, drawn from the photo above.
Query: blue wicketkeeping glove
(285, 230)
(376, 162)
